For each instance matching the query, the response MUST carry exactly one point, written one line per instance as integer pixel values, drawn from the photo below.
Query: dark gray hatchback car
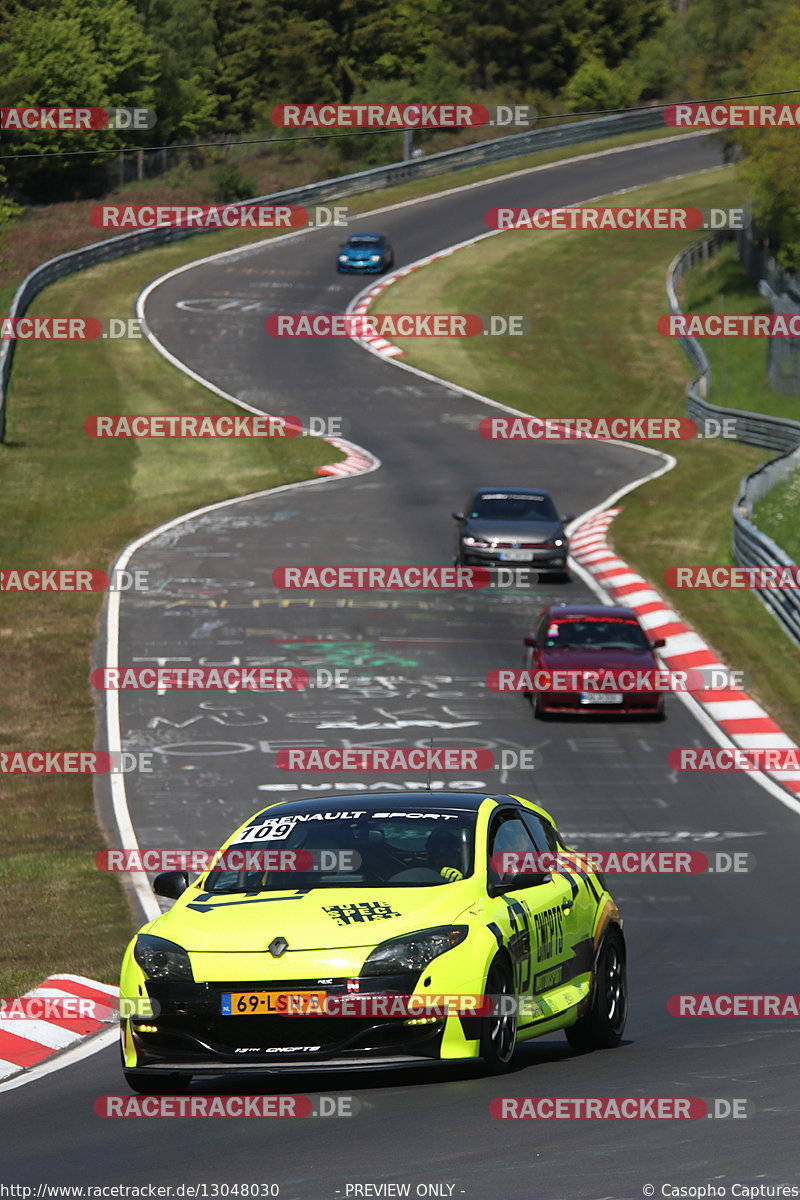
(512, 525)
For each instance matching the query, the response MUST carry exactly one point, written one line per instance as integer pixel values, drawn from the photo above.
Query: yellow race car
(373, 930)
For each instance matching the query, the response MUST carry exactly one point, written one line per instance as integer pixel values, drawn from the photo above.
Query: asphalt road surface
(416, 665)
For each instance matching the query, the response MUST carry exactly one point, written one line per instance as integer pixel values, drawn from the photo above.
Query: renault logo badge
(278, 946)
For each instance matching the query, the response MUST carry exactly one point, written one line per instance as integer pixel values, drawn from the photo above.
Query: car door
(542, 933)
(578, 923)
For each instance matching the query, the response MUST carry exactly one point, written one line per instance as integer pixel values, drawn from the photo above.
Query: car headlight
(374, 258)
(558, 542)
(342, 258)
(412, 952)
(473, 541)
(160, 959)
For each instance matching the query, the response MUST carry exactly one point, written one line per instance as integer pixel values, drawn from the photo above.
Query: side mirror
(569, 517)
(530, 641)
(657, 643)
(457, 516)
(171, 884)
(498, 884)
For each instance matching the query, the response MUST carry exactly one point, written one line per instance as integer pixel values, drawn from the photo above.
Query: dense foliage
(215, 68)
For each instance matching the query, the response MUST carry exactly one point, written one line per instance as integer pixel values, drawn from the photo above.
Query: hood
(322, 919)
(520, 531)
(360, 255)
(583, 658)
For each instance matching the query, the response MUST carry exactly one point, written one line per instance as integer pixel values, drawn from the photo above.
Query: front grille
(509, 544)
(243, 1039)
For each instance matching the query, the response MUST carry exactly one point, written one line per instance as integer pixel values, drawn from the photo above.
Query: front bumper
(547, 559)
(190, 1034)
(632, 704)
(360, 268)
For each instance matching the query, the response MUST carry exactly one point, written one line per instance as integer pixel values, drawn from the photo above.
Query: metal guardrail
(494, 150)
(751, 547)
(757, 429)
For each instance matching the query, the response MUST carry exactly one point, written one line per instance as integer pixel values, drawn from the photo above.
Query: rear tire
(604, 1024)
(153, 1083)
(499, 1029)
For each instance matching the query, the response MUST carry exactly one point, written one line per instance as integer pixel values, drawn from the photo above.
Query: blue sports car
(368, 253)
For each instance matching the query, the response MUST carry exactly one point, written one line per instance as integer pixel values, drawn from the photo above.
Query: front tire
(604, 1024)
(499, 1029)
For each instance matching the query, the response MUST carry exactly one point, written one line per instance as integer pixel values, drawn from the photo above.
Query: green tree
(71, 54)
(9, 212)
(595, 86)
(244, 33)
(181, 35)
(707, 45)
(771, 163)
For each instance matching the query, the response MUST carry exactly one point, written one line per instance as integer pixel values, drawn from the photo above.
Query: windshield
(364, 243)
(401, 848)
(612, 633)
(510, 506)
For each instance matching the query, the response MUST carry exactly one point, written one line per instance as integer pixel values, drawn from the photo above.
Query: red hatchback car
(593, 638)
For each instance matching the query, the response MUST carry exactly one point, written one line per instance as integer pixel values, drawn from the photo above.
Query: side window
(543, 833)
(508, 835)
(541, 632)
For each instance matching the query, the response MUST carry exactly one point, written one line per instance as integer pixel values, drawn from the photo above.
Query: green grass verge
(777, 515)
(603, 292)
(739, 379)
(738, 365)
(67, 500)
